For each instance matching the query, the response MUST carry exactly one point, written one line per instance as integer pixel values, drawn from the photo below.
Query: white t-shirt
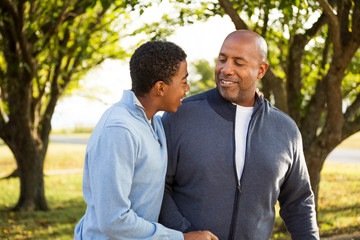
(243, 116)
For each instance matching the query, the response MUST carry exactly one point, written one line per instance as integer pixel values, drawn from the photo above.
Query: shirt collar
(138, 103)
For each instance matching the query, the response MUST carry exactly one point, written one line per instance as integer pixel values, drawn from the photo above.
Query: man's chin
(231, 97)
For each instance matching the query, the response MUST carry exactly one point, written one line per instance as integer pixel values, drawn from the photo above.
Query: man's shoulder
(191, 107)
(278, 116)
(199, 97)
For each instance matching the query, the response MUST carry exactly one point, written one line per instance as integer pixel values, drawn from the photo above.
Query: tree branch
(24, 45)
(316, 27)
(266, 21)
(350, 128)
(351, 111)
(56, 87)
(296, 52)
(3, 118)
(312, 118)
(275, 84)
(45, 121)
(10, 7)
(310, 123)
(356, 20)
(233, 14)
(329, 11)
(344, 22)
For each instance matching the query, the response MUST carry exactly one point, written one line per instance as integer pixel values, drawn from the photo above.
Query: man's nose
(228, 68)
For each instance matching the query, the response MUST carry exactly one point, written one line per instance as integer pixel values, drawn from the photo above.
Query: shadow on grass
(335, 209)
(57, 223)
(341, 231)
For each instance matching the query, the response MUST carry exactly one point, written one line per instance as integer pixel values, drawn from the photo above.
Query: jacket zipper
(238, 189)
(237, 193)
(235, 212)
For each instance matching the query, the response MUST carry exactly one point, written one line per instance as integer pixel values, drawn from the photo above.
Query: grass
(352, 142)
(64, 196)
(339, 202)
(339, 198)
(59, 156)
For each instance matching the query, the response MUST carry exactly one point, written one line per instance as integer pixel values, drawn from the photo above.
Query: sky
(199, 41)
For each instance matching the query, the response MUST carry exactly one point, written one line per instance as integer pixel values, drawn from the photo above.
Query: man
(232, 155)
(126, 157)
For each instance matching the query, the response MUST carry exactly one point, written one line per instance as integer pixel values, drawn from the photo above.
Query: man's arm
(170, 215)
(297, 205)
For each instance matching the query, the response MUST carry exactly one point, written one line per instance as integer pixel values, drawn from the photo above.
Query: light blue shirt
(124, 173)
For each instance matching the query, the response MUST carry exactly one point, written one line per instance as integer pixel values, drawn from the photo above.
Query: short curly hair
(152, 62)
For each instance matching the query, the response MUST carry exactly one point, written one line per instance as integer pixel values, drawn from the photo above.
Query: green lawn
(339, 200)
(64, 196)
(352, 142)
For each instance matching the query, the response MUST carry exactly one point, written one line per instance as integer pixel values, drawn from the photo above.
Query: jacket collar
(133, 103)
(225, 108)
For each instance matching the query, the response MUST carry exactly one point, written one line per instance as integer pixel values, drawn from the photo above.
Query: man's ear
(262, 69)
(160, 88)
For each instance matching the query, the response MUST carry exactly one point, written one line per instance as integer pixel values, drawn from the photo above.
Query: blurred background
(63, 62)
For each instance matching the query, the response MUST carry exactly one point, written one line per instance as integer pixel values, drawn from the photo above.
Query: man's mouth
(226, 83)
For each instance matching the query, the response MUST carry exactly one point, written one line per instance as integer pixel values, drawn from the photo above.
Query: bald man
(232, 155)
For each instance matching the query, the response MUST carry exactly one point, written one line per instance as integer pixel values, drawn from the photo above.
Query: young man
(232, 155)
(126, 157)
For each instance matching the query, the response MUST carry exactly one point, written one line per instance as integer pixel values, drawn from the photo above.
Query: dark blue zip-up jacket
(202, 191)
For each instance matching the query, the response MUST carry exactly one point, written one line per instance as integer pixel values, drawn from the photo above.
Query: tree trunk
(30, 155)
(314, 168)
(32, 193)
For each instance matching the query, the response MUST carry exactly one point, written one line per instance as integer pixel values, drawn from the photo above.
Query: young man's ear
(160, 88)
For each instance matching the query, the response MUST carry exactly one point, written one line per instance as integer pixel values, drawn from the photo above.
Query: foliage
(46, 47)
(203, 78)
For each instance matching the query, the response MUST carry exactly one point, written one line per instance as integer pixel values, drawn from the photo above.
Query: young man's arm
(111, 173)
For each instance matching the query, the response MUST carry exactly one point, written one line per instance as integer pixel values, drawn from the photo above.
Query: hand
(200, 235)
(259, 93)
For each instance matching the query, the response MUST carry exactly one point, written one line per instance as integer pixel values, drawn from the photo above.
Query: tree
(204, 77)
(314, 73)
(45, 48)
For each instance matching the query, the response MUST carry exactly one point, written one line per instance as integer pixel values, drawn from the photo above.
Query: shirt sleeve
(170, 214)
(111, 172)
(297, 205)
